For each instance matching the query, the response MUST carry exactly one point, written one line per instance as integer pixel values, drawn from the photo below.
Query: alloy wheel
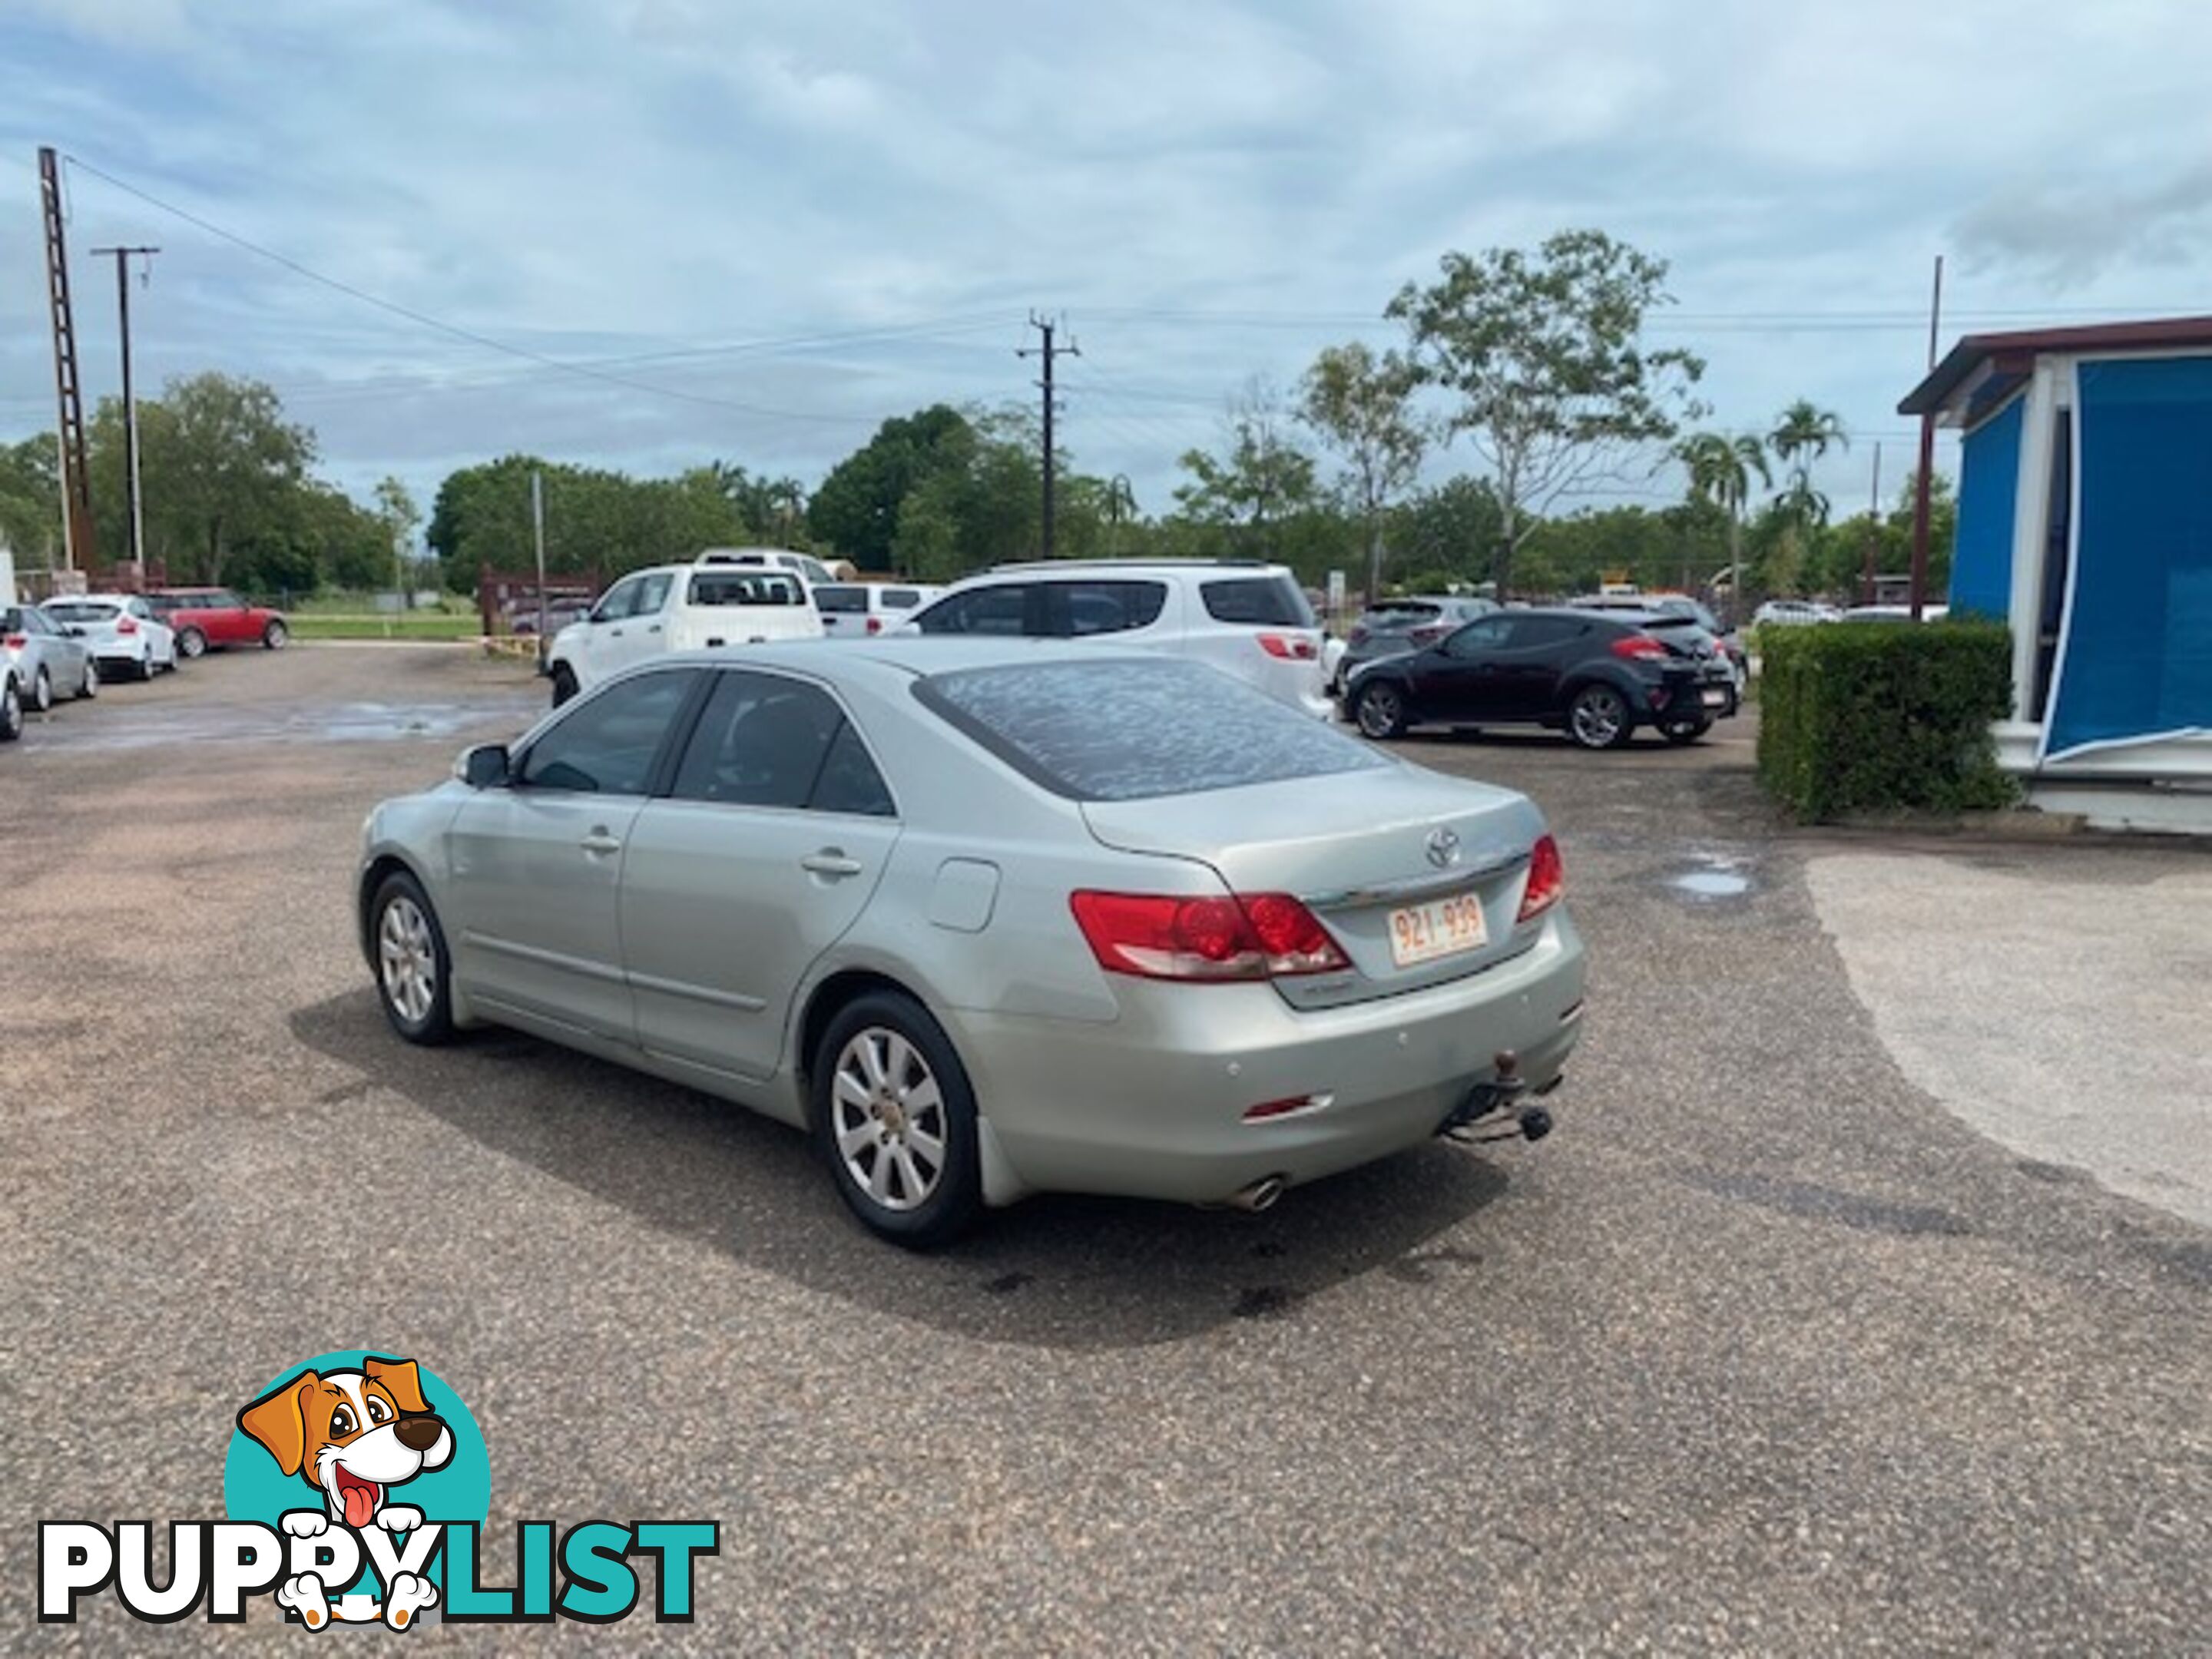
(888, 1118)
(42, 692)
(407, 959)
(1380, 712)
(1598, 717)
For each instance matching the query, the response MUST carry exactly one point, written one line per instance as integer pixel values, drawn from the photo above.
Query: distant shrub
(1860, 717)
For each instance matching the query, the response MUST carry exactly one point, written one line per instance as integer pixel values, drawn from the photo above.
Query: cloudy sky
(775, 222)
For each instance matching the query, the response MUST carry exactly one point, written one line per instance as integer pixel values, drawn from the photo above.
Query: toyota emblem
(1443, 848)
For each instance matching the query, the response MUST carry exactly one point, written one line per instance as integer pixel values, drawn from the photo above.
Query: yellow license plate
(1442, 927)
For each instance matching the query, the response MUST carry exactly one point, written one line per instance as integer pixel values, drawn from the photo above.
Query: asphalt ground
(1763, 1351)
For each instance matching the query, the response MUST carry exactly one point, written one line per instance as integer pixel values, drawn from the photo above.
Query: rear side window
(763, 740)
(841, 598)
(718, 588)
(1534, 632)
(1260, 601)
(1075, 609)
(1135, 729)
(900, 598)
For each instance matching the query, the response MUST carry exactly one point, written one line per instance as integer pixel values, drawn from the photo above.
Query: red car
(207, 617)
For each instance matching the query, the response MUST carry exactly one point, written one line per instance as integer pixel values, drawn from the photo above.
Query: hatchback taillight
(126, 627)
(1640, 647)
(16, 641)
(1289, 646)
(1162, 936)
(1429, 633)
(1548, 879)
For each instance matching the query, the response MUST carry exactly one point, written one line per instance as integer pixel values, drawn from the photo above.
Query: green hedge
(1858, 717)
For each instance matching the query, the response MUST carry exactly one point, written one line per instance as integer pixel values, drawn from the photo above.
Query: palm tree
(1804, 430)
(1721, 470)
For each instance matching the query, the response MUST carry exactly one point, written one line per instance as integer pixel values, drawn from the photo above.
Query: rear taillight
(1429, 635)
(1548, 879)
(875, 624)
(1358, 634)
(1160, 936)
(1289, 646)
(16, 641)
(1640, 647)
(126, 627)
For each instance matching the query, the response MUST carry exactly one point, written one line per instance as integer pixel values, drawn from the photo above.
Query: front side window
(993, 611)
(608, 744)
(1491, 634)
(764, 740)
(618, 601)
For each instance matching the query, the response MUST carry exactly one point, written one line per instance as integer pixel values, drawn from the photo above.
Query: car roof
(889, 661)
(1158, 566)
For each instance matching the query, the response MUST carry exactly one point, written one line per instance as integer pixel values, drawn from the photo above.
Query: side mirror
(484, 767)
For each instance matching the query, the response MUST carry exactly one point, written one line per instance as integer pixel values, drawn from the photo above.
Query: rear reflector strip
(1274, 1108)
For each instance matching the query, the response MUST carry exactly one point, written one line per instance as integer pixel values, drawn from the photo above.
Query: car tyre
(564, 683)
(1379, 710)
(414, 972)
(147, 668)
(276, 636)
(42, 692)
(11, 713)
(893, 1116)
(1681, 732)
(1599, 717)
(192, 643)
(91, 686)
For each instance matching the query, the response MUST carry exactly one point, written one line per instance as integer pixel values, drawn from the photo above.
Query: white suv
(1247, 619)
(715, 601)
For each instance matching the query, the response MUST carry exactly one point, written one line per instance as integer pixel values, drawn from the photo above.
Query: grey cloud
(2073, 234)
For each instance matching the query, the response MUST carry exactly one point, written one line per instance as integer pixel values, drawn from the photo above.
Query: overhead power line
(454, 330)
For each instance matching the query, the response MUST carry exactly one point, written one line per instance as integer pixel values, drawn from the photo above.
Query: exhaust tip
(1260, 1195)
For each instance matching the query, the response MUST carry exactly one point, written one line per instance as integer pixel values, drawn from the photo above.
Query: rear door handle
(600, 842)
(830, 861)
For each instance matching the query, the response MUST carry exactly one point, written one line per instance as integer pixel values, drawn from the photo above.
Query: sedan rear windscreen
(1136, 729)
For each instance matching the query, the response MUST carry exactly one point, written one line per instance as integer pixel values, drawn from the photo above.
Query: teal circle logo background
(255, 1489)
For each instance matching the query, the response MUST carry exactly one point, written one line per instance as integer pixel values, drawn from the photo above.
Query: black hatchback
(1595, 677)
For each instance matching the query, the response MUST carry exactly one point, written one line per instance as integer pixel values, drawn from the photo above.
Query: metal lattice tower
(76, 480)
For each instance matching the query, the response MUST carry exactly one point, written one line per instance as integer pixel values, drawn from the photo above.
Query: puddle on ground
(351, 722)
(1712, 876)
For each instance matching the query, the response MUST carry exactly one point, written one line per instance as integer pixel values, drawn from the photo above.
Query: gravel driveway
(1762, 1351)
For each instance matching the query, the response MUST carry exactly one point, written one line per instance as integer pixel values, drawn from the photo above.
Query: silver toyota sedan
(991, 917)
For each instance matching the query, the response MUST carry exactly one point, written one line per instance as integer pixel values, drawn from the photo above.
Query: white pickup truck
(715, 601)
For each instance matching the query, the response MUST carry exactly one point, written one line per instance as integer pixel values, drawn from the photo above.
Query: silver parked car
(991, 916)
(44, 660)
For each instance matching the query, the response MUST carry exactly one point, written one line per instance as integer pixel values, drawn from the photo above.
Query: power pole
(78, 546)
(1920, 496)
(1047, 350)
(134, 520)
(1874, 529)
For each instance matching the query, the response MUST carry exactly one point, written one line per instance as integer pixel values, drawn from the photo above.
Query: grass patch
(407, 625)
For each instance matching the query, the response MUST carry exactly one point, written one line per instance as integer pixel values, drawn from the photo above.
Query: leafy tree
(1262, 479)
(1544, 356)
(31, 500)
(395, 506)
(220, 468)
(1361, 405)
(858, 507)
(1448, 533)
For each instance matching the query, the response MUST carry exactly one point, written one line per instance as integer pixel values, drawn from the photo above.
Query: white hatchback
(1251, 620)
(715, 601)
(123, 633)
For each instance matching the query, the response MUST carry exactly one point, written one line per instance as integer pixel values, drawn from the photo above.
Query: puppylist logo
(356, 1487)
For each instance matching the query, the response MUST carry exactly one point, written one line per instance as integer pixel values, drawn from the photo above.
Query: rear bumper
(1152, 1105)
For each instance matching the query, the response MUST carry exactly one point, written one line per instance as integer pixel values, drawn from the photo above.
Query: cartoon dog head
(352, 1435)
